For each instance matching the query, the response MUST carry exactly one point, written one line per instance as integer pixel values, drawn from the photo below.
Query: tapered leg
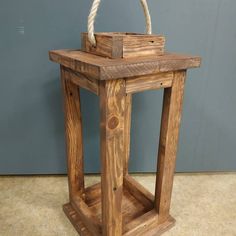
(171, 116)
(127, 126)
(112, 106)
(73, 127)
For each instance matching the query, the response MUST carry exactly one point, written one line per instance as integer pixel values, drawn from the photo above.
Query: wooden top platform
(104, 68)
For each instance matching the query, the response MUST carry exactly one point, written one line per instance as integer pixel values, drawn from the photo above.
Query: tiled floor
(202, 204)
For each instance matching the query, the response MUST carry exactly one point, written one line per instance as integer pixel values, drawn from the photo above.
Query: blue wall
(31, 116)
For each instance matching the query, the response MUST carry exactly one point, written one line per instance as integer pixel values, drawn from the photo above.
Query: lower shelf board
(139, 217)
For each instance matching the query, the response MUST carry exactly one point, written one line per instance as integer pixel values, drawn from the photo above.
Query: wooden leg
(128, 111)
(171, 116)
(73, 127)
(112, 105)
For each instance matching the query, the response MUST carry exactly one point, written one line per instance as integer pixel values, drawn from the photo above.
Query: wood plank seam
(83, 81)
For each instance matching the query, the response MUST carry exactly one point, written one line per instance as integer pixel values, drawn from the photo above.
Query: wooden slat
(148, 225)
(149, 82)
(106, 69)
(138, 191)
(106, 45)
(83, 81)
(88, 218)
(127, 127)
(123, 45)
(171, 116)
(93, 194)
(142, 224)
(73, 125)
(112, 105)
(143, 45)
(76, 220)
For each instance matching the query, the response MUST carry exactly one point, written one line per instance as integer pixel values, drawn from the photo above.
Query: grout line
(133, 173)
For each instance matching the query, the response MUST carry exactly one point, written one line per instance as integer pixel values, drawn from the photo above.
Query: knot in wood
(113, 122)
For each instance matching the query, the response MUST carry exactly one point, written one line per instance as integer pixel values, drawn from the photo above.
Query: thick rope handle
(93, 13)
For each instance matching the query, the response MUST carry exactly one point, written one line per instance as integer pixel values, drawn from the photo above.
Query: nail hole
(161, 84)
(114, 189)
(71, 93)
(152, 41)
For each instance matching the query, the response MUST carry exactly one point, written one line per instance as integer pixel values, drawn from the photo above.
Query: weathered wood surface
(83, 81)
(149, 82)
(171, 117)
(87, 216)
(123, 45)
(120, 205)
(131, 207)
(107, 69)
(127, 127)
(73, 125)
(76, 221)
(112, 105)
(138, 218)
(139, 192)
(148, 225)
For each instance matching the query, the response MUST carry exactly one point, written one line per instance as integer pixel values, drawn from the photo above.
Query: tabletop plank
(102, 68)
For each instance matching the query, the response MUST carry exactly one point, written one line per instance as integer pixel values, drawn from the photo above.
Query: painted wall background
(31, 115)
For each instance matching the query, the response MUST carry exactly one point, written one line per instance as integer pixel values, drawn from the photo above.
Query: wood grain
(131, 208)
(139, 192)
(134, 212)
(83, 81)
(73, 126)
(171, 116)
(76, 220)
(112, 105)
(143, 45)
(127, 127)
(106, 45)
(123, 45)
(149, 82)
(89, 219)
(107, 69)
(148, 225)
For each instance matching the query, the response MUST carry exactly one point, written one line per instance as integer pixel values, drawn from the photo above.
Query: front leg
(112, 106)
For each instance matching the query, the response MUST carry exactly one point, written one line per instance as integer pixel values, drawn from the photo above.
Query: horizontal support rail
(149, 82)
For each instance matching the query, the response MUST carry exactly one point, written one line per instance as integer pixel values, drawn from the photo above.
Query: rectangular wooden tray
(124, 45)
(139, 216)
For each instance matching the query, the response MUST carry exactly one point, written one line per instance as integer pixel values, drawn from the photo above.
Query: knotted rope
(93, 13)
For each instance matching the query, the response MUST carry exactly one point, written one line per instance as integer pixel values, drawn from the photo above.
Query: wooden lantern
(119, 65)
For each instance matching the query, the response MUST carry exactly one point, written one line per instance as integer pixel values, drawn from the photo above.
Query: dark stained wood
(83, 81)
(149, 82)
(107, 69)
(127, 127)
(106, 45)
(76, 220)
(123, 45)
(86, 215)
(131, 207)
(148, 225)
(112, 105)
(143, 45)
(132, 211)
(139, 192)
(73, 125)
(171, 116)
(119, 205)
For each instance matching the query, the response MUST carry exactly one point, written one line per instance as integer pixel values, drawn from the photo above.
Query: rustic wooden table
(119, 205)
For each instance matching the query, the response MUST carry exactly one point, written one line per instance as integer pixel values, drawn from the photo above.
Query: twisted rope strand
(93, 14)
(147, 16)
